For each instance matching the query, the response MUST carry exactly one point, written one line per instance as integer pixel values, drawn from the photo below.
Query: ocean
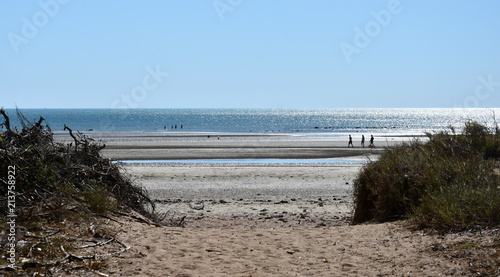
(306, 121)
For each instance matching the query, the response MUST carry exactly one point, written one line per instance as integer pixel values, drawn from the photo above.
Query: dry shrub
(76, 173)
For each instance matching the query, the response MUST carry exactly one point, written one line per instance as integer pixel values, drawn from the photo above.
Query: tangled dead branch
(63, 187)
(49, 170)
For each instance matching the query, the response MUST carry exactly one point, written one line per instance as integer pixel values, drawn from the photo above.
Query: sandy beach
(266, 219)
(273, 195)
(314, 189)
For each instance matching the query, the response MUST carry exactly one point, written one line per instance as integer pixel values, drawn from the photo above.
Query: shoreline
(235, 146)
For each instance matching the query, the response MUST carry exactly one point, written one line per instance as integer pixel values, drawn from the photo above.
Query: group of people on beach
(174, 127)
(362, 142)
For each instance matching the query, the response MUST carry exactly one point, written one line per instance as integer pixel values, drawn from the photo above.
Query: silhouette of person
(363, 141)
(371, 142)
(350, 142)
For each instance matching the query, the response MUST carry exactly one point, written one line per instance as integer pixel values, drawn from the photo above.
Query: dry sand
(268, 220)
(251, 250)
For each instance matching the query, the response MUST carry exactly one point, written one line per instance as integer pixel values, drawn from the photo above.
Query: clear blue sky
(249, 54)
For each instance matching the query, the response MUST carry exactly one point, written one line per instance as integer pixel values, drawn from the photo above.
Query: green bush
(447, 182)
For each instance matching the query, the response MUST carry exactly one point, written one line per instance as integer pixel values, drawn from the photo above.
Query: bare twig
(44, 237)
(71, 134)
(124, 248)
(97, 244)
(39, 122)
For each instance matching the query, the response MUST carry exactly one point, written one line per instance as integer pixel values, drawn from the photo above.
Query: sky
(249, 54)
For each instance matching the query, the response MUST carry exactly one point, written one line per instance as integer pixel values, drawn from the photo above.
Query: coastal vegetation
(54, 194)
(449, 182)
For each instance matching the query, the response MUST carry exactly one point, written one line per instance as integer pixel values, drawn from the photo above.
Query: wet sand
(233, 147)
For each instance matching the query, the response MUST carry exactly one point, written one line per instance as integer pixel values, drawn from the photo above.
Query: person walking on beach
(363, 141)
(371, 142)
(350, 142)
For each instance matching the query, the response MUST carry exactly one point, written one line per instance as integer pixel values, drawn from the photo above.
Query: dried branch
(39, 122)
(7, 119)
(124, 248)
(97, 244)
(73, 136)
(44, 237)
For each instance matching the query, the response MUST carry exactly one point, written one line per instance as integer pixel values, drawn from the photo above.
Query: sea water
(306, 121)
